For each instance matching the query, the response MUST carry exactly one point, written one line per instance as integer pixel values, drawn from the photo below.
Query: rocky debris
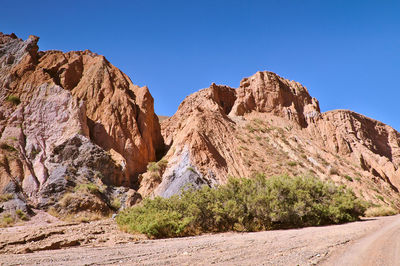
(80, 182)
(44, 232)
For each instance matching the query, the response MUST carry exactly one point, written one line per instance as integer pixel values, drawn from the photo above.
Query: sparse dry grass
(6, 220)
(157, 169)
(380, 211)
(6, 197)
(12, 217)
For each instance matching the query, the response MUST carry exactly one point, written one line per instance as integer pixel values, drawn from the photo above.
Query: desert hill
(77, 136)
(272, 125)
(68, 119)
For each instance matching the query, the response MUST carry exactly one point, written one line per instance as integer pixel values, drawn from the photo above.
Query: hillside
(68, 119)
(79, 139)
(272, 125)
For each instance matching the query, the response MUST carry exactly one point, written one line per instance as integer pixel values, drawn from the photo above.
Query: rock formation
(272, 125)
(266, 92)
(55, 107)
(76, 135)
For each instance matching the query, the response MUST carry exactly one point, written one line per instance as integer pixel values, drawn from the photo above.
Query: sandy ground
(380, 247)
(306, 246)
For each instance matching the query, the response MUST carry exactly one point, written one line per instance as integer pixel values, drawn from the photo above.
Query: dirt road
(381, 247)
(306, 246)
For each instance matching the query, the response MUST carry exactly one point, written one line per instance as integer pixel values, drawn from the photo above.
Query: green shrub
(157, 169)
(116, 203)
(349, 178)
(191, 169)
(21, 214)
(6, 220)
(244, 205)
(6, 147)
(292, 163)
(154, 218)
(89, 187)
(13, 99)
(379, 197)
(6, 197)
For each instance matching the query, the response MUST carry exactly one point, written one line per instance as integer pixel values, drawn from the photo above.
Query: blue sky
(347, 53)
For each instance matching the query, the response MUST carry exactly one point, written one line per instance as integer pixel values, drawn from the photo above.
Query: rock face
(266, 92)
(372, 145)
(272, 125)
(50, 101)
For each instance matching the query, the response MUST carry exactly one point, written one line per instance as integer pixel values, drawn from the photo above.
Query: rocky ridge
(68, 119)
(272, 125)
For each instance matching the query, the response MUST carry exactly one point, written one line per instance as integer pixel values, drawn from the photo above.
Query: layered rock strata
(272, 125)
(51, 98)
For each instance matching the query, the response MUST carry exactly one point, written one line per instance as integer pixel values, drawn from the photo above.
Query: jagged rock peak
(267, 92)
(264, 92)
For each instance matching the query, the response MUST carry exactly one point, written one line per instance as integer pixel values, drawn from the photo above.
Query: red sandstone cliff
(48, 98)
(272, 125)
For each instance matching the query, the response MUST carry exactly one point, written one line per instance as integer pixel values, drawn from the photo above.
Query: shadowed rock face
(47, 98)
(272, 125)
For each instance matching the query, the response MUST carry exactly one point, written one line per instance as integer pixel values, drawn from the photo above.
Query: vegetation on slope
(375, 211)
(244, 205)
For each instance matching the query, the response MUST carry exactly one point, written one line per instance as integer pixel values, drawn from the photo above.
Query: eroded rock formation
(68, 119)
(272, 125)
(51, 98)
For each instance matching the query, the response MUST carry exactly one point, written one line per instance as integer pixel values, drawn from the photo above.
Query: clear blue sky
(347, 53)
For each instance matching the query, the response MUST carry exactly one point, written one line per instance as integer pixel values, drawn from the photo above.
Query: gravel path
(381, 247)
(306, 246)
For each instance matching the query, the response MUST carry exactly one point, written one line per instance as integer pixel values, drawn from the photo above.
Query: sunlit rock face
(51, 98)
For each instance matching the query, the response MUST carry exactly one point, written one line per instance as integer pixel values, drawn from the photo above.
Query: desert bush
(191, 169)
(67, 199)
(157, 166)
(13, 99)
(7, 147)
(244, 205)
(89, 187)
(81, 205)
(6, 197)
(379, 197)
(6, 220)
(157, 169)
(21, 215)
(380, 211)
(349, 178)
(251, 128)
(116, 203)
